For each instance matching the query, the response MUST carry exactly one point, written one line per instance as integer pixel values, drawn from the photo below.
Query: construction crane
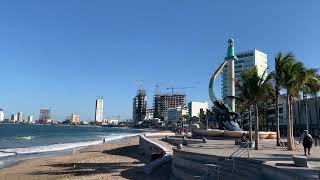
(173, 88)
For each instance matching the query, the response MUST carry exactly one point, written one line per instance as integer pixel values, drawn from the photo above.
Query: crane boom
(172, 88)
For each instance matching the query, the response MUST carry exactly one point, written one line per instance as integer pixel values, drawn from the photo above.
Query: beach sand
(112, 160)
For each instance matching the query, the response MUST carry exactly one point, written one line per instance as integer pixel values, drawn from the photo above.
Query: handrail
(240, 152)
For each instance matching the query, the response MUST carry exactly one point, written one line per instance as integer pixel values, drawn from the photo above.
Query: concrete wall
(189, 165)
(149, 147)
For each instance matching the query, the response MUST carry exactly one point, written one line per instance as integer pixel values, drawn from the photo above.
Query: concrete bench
(300, 161)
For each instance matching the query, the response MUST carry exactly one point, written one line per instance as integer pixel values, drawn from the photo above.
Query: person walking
(306, 139)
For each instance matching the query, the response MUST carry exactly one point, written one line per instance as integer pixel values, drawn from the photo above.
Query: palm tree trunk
(277, 116)
(292, 115)
(256, 131)
(289, 132)
(317, 111)
(250, 125)
(291, 121)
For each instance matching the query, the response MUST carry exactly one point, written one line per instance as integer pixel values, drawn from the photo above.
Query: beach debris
(179, 146)
(74, 166)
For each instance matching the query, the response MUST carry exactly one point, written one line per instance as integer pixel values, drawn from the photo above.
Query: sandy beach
(112, 160)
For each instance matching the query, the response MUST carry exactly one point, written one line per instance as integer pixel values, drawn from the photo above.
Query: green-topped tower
(230, 58)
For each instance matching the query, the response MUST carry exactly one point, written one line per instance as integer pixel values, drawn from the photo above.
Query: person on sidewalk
(306, 139)
(243, 138)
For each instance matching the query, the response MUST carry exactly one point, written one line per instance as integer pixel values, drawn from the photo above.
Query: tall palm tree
(280, 61)
(309, 86)
(255, 89)
(292, 81)
(312, 87)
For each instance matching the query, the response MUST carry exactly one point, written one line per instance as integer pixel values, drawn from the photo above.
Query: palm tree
(293, 80)
(255, 89)
(311, 86)
(277, 75)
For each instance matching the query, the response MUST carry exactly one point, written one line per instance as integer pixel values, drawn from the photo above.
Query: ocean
(26, 141)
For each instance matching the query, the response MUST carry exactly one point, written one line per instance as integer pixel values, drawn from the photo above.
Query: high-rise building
(246, 61)
(20, 116)
(1, 115)
(30, 119)
(139, 110)
(14, 118)
(99, 110)
(196, 107)
(45, 116)
(162, 103)
(74, 118)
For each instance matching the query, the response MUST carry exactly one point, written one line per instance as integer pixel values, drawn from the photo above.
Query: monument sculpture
(226, 115)
(223, 111)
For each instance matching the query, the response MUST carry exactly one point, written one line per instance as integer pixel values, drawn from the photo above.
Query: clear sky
(64, 53)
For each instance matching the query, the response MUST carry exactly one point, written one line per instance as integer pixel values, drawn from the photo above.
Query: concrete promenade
(269, 153)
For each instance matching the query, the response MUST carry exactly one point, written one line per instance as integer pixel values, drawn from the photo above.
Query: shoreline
(8, 161)
(66, 166)
(90, 162)
(11, 156)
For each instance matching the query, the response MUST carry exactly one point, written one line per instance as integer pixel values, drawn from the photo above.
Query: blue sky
(63, 54)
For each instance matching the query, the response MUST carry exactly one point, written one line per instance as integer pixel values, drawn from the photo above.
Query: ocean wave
(57, 147)
(4, 154)
(25, 137)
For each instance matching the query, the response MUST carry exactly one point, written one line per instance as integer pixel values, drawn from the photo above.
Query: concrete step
(226, 174)
(181, 173)
(241, 169)
(191, 164)
(231, 176)
(211, 159)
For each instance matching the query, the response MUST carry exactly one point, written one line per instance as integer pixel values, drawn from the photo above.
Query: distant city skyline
(63, 54)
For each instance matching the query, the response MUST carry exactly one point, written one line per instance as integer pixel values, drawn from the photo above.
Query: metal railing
(241, 152)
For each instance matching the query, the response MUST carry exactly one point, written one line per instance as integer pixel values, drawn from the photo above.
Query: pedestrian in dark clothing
(243, 138)
(306, 139)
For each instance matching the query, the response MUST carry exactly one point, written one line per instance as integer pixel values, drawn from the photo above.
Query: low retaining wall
(179, 140)
(150, 147)
(258, 168)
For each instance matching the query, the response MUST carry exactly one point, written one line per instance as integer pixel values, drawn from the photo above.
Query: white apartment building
(99, 110)
(30, 119)
(112, 121)
(196, 107)
(1, 115)
(14, 118)
(246, 61)
(20, 116)
(74, 118)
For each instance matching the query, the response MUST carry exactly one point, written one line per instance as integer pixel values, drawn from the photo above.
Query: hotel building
(246, 61)
(99, 110)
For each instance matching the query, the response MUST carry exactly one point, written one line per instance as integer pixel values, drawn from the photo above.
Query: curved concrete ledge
(149, 147)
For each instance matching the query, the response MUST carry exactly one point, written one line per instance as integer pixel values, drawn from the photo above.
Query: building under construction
(139, 105)
(161, 104)
(45, 116)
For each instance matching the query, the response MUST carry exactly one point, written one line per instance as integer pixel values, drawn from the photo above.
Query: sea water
(25, 141)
